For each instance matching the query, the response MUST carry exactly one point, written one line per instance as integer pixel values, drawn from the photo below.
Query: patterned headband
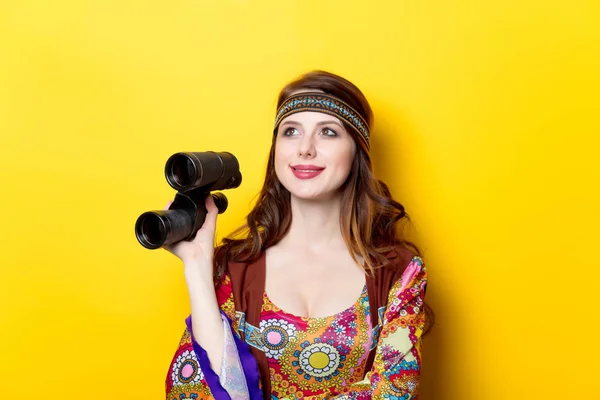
(323, 103)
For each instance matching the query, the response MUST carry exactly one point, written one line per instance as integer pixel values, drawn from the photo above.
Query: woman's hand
(197, 254)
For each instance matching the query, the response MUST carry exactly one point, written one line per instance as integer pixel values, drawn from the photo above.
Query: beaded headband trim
(324, 103)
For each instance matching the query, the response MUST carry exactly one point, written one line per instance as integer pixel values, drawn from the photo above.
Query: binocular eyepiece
(194, 176)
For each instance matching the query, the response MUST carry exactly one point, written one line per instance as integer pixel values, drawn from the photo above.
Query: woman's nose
(306, 147)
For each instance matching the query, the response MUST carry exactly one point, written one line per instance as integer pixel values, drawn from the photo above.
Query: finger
(210, 221)
(210, 205)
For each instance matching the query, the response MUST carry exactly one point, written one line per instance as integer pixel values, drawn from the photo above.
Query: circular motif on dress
(186, 369)
(319, 359)
(276, 334)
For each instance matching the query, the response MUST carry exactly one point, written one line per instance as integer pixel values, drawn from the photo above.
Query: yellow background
(486, 130)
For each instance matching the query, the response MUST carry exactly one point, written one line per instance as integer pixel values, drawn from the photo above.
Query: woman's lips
(306, 171)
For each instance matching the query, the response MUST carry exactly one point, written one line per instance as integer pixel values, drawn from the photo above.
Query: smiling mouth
(308, 169)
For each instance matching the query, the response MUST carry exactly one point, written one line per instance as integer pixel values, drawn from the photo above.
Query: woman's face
(313, 155)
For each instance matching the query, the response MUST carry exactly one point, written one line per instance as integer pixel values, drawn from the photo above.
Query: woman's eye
(290, 132)
(329, 132)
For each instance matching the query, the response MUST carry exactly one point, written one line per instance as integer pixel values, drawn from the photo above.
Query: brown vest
(248, 283)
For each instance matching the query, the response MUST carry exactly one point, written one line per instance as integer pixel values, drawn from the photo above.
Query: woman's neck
(315, 224)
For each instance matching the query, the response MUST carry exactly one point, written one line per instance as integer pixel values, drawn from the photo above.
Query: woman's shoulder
(406, 268)
(403, 266)
(399, 258)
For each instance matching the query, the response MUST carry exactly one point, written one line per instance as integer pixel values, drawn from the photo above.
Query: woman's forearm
(207, 324)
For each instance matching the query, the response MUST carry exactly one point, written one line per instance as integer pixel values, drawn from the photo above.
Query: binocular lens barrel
(185, 171)
(182, 171)
(155, 229)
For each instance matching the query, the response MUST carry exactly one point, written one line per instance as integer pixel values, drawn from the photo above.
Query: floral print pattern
(325, 353)
(276, 334)
(186, 379)
(316, 358)
(186, 369)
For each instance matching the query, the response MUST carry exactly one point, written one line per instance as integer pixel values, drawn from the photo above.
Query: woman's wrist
(199, 279)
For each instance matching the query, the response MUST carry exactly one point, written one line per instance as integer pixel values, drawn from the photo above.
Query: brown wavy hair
(369, 215)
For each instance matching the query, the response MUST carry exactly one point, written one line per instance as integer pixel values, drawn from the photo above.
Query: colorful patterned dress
(314, 358)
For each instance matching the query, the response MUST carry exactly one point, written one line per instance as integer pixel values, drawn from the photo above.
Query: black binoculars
(194, 176)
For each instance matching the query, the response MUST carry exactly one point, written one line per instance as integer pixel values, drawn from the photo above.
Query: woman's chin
(313, 196)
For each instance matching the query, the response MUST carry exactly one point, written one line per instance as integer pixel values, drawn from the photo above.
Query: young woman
(317, 296)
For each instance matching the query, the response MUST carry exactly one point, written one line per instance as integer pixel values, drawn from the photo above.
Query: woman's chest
(313, 356)
(314, 290)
